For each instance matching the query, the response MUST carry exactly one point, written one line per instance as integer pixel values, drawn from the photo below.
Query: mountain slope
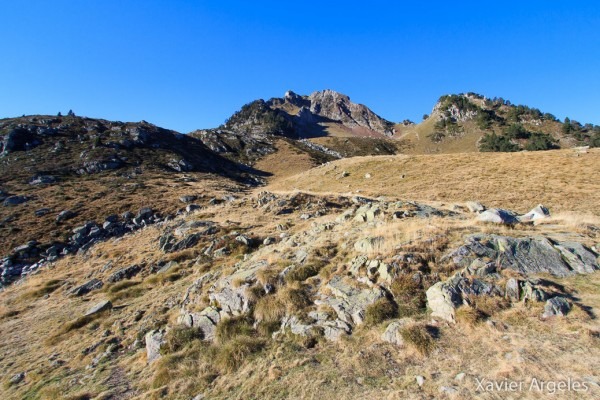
(564, 180)
(94, 168)
(471, 122)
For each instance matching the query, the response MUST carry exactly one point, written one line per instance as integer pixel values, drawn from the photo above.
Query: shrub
(541, 141)
(383, 309)
(419, 337)
(493, 142)
(516, 131)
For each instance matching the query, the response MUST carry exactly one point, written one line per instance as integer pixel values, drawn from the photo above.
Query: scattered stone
(17, 378)
(449, 390)
(268, 240)
(42, 211)
(367, 176)
(460, 377)
(243, 239)
(15, 200)
(154, 341)
(475, 206)
(188, 199)
(443, 299)
(498, 216)
(87, 287)
(124, 273)
(99, 307)
(556, 306)
(420, 380)
(536, 214)
(64, 215)
(192, 207)
(42, 180)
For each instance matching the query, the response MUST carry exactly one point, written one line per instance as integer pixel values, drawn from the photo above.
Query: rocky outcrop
(338, 107)
(528, 255)
(350, 301)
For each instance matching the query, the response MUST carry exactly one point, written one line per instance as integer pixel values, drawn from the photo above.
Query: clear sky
(189, 64)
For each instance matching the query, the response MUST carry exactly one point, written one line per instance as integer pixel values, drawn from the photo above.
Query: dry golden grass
(558, 179)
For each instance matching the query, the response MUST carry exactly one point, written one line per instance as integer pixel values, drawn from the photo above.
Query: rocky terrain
(293, 253)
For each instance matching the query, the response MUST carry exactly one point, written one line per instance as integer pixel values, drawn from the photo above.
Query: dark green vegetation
(507, 127)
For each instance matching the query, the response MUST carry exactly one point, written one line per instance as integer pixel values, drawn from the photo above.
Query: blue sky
(189, 64)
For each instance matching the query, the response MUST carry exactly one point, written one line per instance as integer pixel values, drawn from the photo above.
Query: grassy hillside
(564, 180)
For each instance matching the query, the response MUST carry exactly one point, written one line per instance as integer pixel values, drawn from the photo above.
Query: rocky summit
(300, 250)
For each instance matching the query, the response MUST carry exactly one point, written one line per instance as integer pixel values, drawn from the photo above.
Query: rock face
(484, 256)
(336, 106)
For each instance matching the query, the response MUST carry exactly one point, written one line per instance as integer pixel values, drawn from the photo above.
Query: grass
(179, 337)
(235, 352)
(231, 328)
(288, 300)
(303, 272)
(555, 178)
(418, 336)
(45, 289)
(409, 296)
(382, 310)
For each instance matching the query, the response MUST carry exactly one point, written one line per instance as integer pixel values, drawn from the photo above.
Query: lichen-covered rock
(529, 255)
(154, 341)
(443, 299)
(579, 258)
(349, 301)
(556, 306)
